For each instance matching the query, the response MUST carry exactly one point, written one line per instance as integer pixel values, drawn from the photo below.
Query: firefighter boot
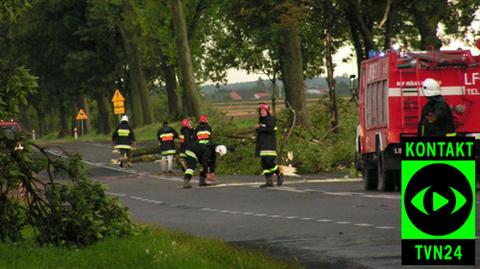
(202, 182)
(186, 183)
(268, 182)
(279, 179)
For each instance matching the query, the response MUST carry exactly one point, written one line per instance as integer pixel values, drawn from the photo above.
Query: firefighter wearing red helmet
(266, 146)
(203, 131)
(185, 138)
(436, 118)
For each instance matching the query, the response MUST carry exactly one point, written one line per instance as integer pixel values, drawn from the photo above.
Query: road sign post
(81, 116)
(118, 103)
(438, 201)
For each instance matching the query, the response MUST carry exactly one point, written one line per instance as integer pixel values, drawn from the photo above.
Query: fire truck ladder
(409, 106)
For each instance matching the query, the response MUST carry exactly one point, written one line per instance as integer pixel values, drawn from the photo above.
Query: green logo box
(438, 201)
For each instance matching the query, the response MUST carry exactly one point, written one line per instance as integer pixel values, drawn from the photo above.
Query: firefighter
(124, 139)
(166, 137)
(203, 131)
(185, 138)
(266, 146)
(436, 118)
(206, 155)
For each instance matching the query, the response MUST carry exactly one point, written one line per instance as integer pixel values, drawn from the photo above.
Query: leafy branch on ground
(53, 195)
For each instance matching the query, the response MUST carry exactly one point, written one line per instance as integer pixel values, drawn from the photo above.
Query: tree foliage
(53, 195)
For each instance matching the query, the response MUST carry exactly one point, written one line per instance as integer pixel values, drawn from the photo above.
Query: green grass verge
(151, 248)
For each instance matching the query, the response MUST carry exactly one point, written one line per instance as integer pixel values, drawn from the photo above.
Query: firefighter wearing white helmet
(436, 118)
(124, 138)
(206, 155)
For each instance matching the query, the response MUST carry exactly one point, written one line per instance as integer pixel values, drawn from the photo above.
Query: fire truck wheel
(370, 176)
(386, 177)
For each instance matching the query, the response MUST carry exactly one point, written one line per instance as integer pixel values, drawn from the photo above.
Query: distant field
(248, 109)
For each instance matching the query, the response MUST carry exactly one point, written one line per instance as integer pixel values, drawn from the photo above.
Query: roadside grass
(151, 248)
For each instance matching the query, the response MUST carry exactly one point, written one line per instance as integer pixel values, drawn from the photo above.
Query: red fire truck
(391, 101)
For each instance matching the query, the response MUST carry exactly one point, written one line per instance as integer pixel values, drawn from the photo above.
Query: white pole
(75, 133)
(33, 135)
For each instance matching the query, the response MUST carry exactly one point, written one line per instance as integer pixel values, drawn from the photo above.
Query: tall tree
(185, 60)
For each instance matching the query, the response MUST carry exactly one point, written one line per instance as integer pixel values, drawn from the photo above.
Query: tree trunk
(174, 105)
(427, 16)
(41, 123)
(63, 118)
(392, 10)
(274, 94)
(292, 71)
(53, 121)
(103, 119)
(185, 60)
(330, 67)
(26, 121)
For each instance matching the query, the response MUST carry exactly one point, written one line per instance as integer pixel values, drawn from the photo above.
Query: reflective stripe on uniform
(169, 152)
(182, 138)
(203, 135)
(268, 153)
(122, 147)
(204, 141)
(166, 137)
(191, 154)
(451, 134)
(189, 172)
(270, 171)
(123, 132)
(183, 155)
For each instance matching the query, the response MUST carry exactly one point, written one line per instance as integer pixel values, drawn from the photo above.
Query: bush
(73, 212)
(317, 149)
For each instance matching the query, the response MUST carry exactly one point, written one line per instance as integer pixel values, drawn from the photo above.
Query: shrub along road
(324, 221)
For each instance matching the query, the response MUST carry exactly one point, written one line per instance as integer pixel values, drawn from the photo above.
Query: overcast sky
(349, 68)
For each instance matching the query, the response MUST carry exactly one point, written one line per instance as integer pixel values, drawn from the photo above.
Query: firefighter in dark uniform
(436, 118)
(166, 137)
(266, 146)
(124, 139)
(206, 155)
(203, 131)
(185, 138)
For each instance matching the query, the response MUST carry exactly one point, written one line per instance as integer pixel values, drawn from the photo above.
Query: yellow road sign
(118, 97)
(118, 104)
(81, 115)
(119, 110)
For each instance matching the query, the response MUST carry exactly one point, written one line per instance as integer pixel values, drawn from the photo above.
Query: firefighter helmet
(430, 87)
(186, 122)
(203, 118)
(124, 118)
(263, 106)
(221, 150)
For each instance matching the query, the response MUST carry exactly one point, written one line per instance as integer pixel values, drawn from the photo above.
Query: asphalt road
(324, 221)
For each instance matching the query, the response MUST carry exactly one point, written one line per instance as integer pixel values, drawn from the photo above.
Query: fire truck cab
(390, 104)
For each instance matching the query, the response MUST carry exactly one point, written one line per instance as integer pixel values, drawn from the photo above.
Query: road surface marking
(236, 212)
(291, 189)
(385, 227)
(363, 224)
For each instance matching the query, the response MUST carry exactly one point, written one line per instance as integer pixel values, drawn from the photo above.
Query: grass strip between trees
(151, 248)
